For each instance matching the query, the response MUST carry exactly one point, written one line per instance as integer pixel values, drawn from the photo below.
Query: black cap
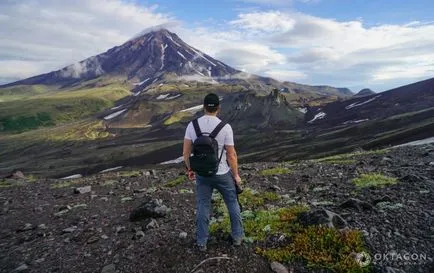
(211, 100)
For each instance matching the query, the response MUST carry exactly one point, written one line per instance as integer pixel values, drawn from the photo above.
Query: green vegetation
(177, 117)
(175, 182)
(374, 180)
(275, 171)
(22, 123)
(130, 173)
(321, 248)
(53, 108)
(318, 247)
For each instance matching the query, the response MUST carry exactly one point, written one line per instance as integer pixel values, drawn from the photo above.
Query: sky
(343, 43)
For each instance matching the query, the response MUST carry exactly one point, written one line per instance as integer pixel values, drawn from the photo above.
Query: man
(225, 178)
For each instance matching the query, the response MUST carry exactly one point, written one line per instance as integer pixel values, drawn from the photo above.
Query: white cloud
(328, 50)
(58, 33)
(286, 75)
(234, 48)
(272, 21)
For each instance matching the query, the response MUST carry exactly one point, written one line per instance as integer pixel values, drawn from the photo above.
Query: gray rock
(120, 229)
(275, 188)
(70, 229)
(183, 235)
(431, 163)
(322, 217)
(356, 204)
(42, 226)
(83, 190)
(126, 199)
(27, 227)
(139, 235)
(278, 267)
(152, 224)
(104, 237)
(16, 175)
(21, 268)
(111, 268)
(151, 209)
(93, 239)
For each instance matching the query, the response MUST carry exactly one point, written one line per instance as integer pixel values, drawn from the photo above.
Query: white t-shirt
(225, 137)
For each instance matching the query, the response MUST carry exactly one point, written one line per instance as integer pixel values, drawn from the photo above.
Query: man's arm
(233, 161)
(187, 152)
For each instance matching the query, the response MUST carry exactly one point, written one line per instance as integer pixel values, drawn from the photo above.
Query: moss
(5, 184)
(316, 246)
(175, 182)
(130, 173)
(374, 180)
(275, 171)
(321, 247)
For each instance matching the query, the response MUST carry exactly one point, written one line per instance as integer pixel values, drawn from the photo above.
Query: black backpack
(205, 159)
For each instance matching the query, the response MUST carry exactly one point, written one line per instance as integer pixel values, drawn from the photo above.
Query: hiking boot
(237, 242)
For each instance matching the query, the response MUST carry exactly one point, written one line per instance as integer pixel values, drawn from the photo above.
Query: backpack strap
(217, 129)
(197, 128)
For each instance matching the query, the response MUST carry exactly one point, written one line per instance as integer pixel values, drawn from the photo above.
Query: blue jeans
(225, 185)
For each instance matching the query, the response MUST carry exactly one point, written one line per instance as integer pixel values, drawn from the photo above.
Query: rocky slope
(364, 92)
(46, 227)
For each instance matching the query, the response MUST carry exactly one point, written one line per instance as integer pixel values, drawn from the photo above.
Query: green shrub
(374, 180)
(275, 171)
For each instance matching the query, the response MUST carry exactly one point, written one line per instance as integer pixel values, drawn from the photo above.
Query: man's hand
(237, 179)
(191, 175)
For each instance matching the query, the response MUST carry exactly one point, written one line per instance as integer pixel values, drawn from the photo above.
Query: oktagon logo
(363, 259)
(390, 258)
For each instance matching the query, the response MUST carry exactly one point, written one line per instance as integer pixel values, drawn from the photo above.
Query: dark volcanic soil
(34, 217)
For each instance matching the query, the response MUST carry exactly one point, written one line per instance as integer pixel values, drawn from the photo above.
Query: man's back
(207, 123)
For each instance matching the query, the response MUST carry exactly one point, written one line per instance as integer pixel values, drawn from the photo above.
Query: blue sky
(344, 43)
(372, 11)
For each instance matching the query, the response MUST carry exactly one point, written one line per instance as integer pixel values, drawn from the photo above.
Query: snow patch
(111, 169)
(173, 97)
(136, 94)
(355, 121)
(117, 107)
(193, 109)
(155, 80)
(142, 82)
(115, 114)
(302, 110)
(162, 97)
(174, 161)
(182, 55)
(361, 103)
(168, 36)
(75, 176)
(150, 37)
(163, 50)
(202, 56)
(417, 142)
(320, 115)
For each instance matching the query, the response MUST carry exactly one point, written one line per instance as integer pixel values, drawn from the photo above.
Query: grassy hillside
(26, 108)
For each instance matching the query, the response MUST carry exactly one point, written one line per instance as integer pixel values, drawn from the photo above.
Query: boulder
(151, 209)
(322, 217)
(356, 204)
(111, 268)
(278, 267)
(16, 174)
(83, 190)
